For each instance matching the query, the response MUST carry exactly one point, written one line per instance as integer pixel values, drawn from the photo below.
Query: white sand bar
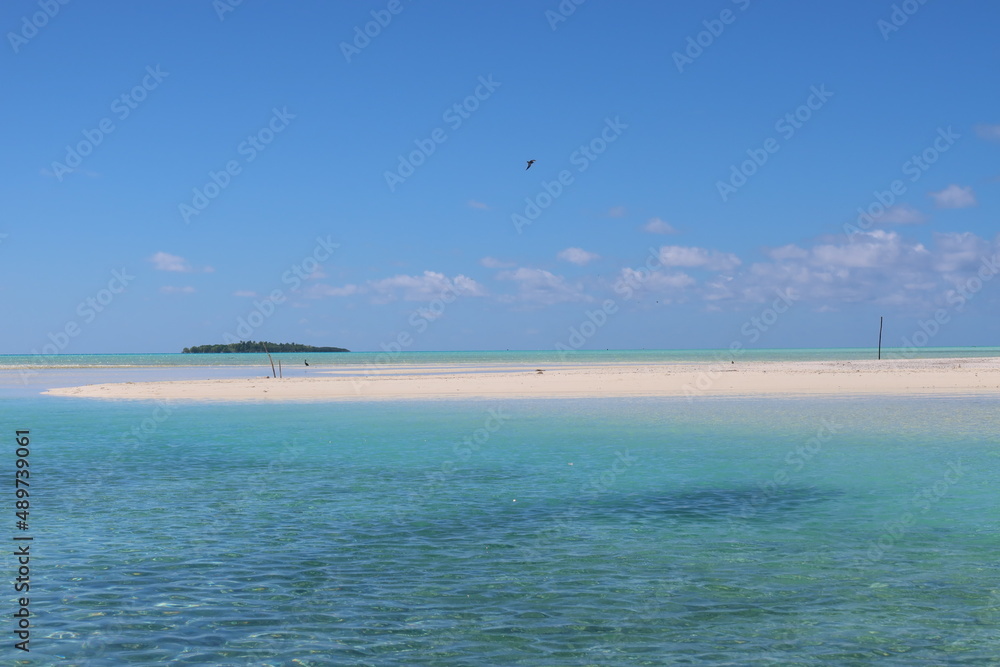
(890, 377)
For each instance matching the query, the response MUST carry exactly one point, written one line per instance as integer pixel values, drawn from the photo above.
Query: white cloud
(542, 287)
(426, 287)
(663, 284)
(164, 261)
(320, 290)
(954, 196)
(657, 226)
(493, 263)
(986, 131)
(577, 256)
(878, 267)
(169, 289)
(874, 249)
(790, 251)
(901, 215)
(675, 255)
(959, 252)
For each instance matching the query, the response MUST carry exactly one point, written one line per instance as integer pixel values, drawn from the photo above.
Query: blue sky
(172, 166)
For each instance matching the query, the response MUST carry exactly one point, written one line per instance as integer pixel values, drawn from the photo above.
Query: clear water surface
(791, 531)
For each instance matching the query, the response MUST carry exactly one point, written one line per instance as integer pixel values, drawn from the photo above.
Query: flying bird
(530, 162)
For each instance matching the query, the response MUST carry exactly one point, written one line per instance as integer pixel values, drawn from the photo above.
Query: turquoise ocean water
(558, 532)
(381, 358)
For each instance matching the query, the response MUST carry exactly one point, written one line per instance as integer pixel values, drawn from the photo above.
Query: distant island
(258, 346)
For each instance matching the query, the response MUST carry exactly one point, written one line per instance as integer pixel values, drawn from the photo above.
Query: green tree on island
(258, 346)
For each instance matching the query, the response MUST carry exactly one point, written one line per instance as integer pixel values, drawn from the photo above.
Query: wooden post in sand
(280, 374)
(880, 337)
(271, 360)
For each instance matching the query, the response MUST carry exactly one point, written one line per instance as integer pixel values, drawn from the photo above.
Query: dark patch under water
(522, 523)
(737, 502)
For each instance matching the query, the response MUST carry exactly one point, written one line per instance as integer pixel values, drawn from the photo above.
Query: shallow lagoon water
(625, 532)
(381, 359)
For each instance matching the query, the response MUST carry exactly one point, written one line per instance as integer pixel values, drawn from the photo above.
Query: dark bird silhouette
(530, 162)
(307, 363)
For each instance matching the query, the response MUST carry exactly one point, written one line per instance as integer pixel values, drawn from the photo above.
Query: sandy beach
(401, 382)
